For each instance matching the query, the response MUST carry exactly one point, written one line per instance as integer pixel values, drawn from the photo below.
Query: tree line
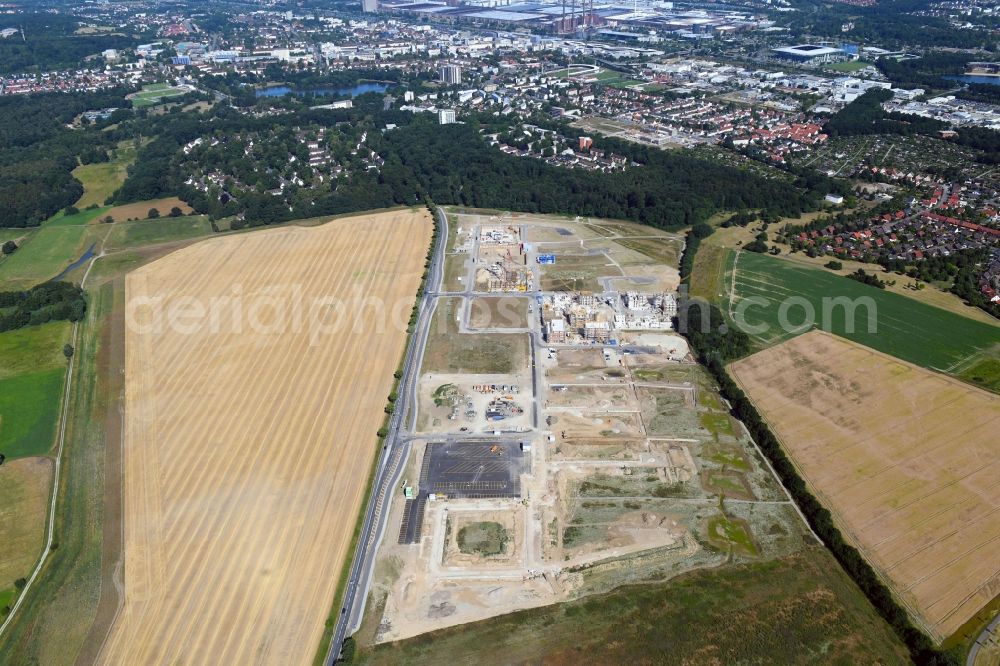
(49, 301)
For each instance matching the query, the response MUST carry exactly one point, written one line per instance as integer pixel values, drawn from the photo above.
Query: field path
(250, 433)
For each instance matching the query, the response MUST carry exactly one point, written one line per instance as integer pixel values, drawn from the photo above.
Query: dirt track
(906, 459)
(249, 438)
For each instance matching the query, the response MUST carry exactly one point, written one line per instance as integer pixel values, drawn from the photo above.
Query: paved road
(992, 627)
(392, 459)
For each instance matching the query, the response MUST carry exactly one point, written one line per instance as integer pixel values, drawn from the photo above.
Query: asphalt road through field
(390, 463)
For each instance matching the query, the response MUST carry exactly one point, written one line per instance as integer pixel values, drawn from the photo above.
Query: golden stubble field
(248, 441)
(907, 460)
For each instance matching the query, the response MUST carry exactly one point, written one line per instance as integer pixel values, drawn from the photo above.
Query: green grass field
(13, 234)
(983, 370)
(29, 409)
(688, 619)
(33, 348)
(734, 534)
(904, 328)
(32, 368)
(848, 66)
(155, 93)
(102, 179)
(55, 245)
(161, 230)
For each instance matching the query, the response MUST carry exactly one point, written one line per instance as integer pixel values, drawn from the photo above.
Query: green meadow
(766, 290)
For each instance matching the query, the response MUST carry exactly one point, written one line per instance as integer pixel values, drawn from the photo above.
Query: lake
(353, 91)
(972, 78)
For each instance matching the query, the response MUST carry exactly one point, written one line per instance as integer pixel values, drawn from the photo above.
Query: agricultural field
(24, 495)
(904, 328)
(162, 230)
(32, 368)
(906, 459)
(688, 619)
(140, 209)
(55, 621)
(237, 522)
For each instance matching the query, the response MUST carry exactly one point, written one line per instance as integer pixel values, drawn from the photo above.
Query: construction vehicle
(496, 450)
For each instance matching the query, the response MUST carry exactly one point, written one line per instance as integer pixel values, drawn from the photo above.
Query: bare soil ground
(498, 312)
(248, 446)
(905, 458)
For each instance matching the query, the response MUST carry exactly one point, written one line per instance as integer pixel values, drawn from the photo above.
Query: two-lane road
(392, 458)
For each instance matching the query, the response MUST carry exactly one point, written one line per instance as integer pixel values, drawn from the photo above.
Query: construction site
(593, 463)
(502, 262)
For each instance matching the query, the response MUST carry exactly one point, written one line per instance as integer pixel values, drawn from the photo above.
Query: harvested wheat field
(249, 440)
(906, 459)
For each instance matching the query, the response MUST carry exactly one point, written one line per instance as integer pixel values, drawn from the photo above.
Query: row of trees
(714, 348)
(49, 301)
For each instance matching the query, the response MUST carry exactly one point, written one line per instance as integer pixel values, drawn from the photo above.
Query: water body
(353, 91)
(84, 258)
(972, 78)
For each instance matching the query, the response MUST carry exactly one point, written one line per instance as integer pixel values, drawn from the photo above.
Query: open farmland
(24, 496)
(140, 209)
(161, 230)
(32, 368)
(248, 444)
(907, 329)
(906, 459)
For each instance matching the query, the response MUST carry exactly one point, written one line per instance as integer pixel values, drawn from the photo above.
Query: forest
(50, 43)
(38, 153)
